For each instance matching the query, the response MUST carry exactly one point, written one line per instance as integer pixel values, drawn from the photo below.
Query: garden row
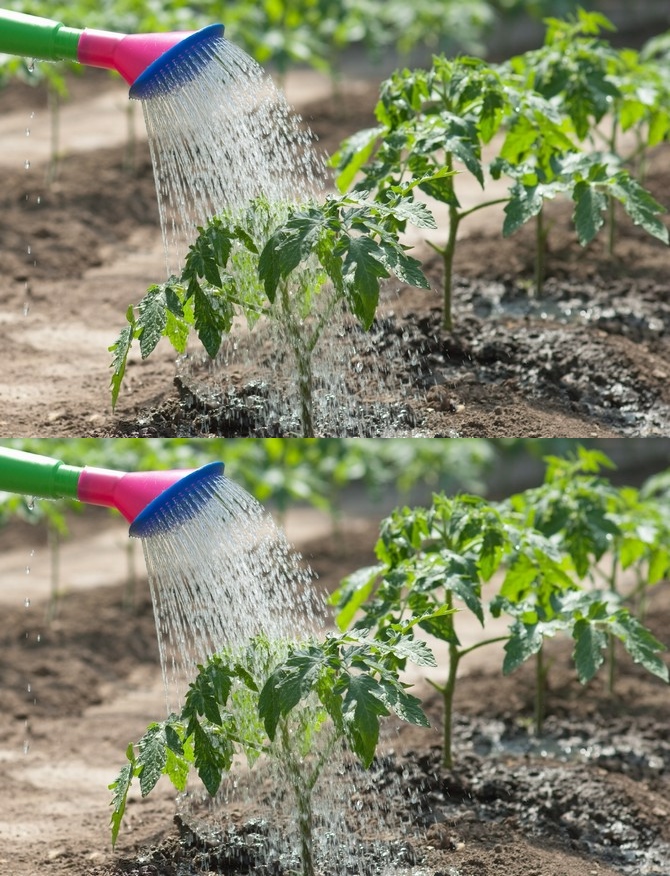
(557, 555)
(574, 119)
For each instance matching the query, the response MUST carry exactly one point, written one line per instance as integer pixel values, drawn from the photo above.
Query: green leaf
(361, 272)
(588, 217)
(525, 640)
(361, 711)
(177, 332)
(590, 642)
(152, 757)
(269, 265)
(152, 319)
(177, 770)
(640, 205)
(524, 203)
(121, 786)
(270, 704)
(120, 349)
(640, 643)
(210, 758)
(288, 684)
(354, 590)
(415, 650)
(407, 707)
(213, 317)
(353, 154)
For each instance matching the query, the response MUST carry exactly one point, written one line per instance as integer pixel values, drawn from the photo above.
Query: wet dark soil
(587, 796)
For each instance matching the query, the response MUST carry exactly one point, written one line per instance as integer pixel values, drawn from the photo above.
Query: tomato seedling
(291, 264)
(293, 703)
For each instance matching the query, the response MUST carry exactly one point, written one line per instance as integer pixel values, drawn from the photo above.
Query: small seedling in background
(547, 106)
(545, 544)
(432, 560)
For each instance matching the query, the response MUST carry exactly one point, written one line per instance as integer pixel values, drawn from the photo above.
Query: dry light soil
(588, 359)
(591, 797)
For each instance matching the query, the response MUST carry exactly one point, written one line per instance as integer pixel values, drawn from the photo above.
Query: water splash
(220, 576)
(221, 135)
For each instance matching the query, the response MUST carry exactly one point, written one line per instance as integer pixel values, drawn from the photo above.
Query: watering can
(151, 63)
(151, 502)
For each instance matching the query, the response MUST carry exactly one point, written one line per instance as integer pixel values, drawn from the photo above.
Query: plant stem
(302, 351)
(305, 392)
(611, 203)
(303, 797)
(611, 652)
(540, 254)
(449, 250)
(448, 691)
(481, 644)
(540, 691)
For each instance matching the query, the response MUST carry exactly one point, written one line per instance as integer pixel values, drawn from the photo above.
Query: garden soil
(589, 359)
(589, 798)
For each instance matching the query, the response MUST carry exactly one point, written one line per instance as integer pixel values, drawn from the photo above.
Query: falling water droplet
(26, 601)
(39, 199)
(26, 164)
(38, 638)
(27, 132)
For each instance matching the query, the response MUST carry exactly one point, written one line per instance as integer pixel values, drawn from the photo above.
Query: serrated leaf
(269, 266)
(212, 318)
(177, 770)
(406, 268)
(588, 217)
(177, 332)
(361, 711)
(120, 350)
(208, 762)
(415, 650)
(353, 591)
(361, 271)
(640, 643)
(152, 319)
(353, 154)
(525, 640)
(640, 205)
(525, 202)
(269, 705)
(406, 706)
(590, 642)
(287, 685)
(152, 756)
(121, 786)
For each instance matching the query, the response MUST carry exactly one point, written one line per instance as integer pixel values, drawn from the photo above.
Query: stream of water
(221, 572)
(220, 138)
(221, 576)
